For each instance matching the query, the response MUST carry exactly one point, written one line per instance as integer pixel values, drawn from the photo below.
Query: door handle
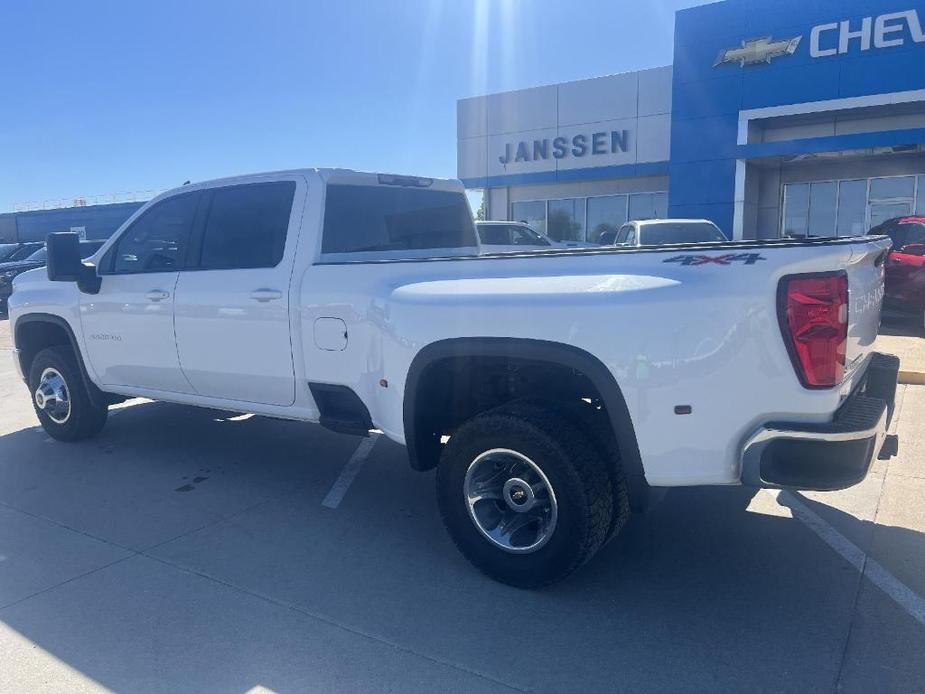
(265, 295)
(157, 295)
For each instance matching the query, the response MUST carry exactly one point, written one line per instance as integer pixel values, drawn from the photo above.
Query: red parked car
(905, 270)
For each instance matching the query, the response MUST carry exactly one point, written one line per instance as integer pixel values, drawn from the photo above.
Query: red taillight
(814, 319)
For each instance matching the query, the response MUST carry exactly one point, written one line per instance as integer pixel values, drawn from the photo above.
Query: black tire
(575, 472)
(595, 424)
(84, 419)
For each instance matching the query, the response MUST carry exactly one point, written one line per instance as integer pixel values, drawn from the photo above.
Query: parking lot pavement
(191, 550)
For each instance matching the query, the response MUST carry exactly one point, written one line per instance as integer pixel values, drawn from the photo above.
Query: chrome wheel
(510, 501)
(53, 397)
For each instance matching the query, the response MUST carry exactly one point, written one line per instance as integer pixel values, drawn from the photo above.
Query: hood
(21, 265)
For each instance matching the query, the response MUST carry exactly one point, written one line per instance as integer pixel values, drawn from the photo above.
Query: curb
(912, 378)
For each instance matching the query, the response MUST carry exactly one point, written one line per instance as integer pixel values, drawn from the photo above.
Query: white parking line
(875, 572)
(349, 473)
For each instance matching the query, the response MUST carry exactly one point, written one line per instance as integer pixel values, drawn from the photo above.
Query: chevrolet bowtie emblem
(755, 51)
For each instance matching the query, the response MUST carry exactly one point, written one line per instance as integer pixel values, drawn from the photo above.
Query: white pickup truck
(553, 390)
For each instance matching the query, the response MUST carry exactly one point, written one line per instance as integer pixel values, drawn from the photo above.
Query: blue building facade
(93, 221)
(776, 118)
(847, 88)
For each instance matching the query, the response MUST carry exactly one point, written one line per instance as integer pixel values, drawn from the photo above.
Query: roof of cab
(673, 221)
(328, 175)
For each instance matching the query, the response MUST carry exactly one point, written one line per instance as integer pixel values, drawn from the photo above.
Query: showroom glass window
(892, 188)
(860, 204)
(246, 226)
(852, 208)
(648, 206)
(810, 209)
(156, 241)
(532, 213)
(587, 219)
(566, 220)
(796, 209)
(605, 214)
(822, 208)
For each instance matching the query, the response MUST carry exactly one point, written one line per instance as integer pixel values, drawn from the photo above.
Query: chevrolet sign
(756, 51)
(891, 30)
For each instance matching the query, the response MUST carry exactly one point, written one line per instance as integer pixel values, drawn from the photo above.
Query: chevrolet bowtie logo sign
(757, 51)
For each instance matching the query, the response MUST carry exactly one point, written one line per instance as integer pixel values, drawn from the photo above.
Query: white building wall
(637, 102)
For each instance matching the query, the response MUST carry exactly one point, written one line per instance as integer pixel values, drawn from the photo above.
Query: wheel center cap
(518, 495)
(40, 400)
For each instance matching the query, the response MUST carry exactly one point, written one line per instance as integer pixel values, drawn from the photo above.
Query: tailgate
(865, 298)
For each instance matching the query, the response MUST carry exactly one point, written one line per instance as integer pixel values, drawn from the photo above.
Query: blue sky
(126, 96)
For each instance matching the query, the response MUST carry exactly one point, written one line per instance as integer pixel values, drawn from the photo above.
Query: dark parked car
(9, 270)
(905, 270)
(11, 252)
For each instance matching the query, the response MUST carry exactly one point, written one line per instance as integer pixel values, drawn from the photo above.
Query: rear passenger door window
(246, 226)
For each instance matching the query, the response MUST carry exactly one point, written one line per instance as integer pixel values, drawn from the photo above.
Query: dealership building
(90, 221)
(777, 118)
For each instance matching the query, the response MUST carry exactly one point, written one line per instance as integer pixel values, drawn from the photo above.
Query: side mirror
(913, 249)
(64, 263)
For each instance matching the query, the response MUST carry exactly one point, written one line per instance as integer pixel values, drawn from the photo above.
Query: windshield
(6, 249)
(22, 253)
(668, 232)
(904, 234)
(39, 256)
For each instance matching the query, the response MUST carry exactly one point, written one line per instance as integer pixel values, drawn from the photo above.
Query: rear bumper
(833, 455)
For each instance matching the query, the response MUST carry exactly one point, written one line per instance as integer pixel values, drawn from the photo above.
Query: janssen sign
(581, 145)
(890, 30)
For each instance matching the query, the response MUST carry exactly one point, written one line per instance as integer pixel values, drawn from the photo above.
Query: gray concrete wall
(638, 102)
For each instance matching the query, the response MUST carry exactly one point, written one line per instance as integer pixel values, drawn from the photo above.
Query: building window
(565, 219)
(899, 187)
(851, 207)
(822, 205)
(532, 213)
(585, 219)
(605, 214)
(648, 206)
(796, 209)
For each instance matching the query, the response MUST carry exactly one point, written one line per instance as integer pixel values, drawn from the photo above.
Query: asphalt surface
(193, 550)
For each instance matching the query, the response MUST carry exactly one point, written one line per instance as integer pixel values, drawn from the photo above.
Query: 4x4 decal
(728, 259)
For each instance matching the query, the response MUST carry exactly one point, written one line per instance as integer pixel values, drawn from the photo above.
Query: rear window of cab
(395, 220)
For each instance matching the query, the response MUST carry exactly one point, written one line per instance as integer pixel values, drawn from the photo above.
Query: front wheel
(60, 398)
(524, 495)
